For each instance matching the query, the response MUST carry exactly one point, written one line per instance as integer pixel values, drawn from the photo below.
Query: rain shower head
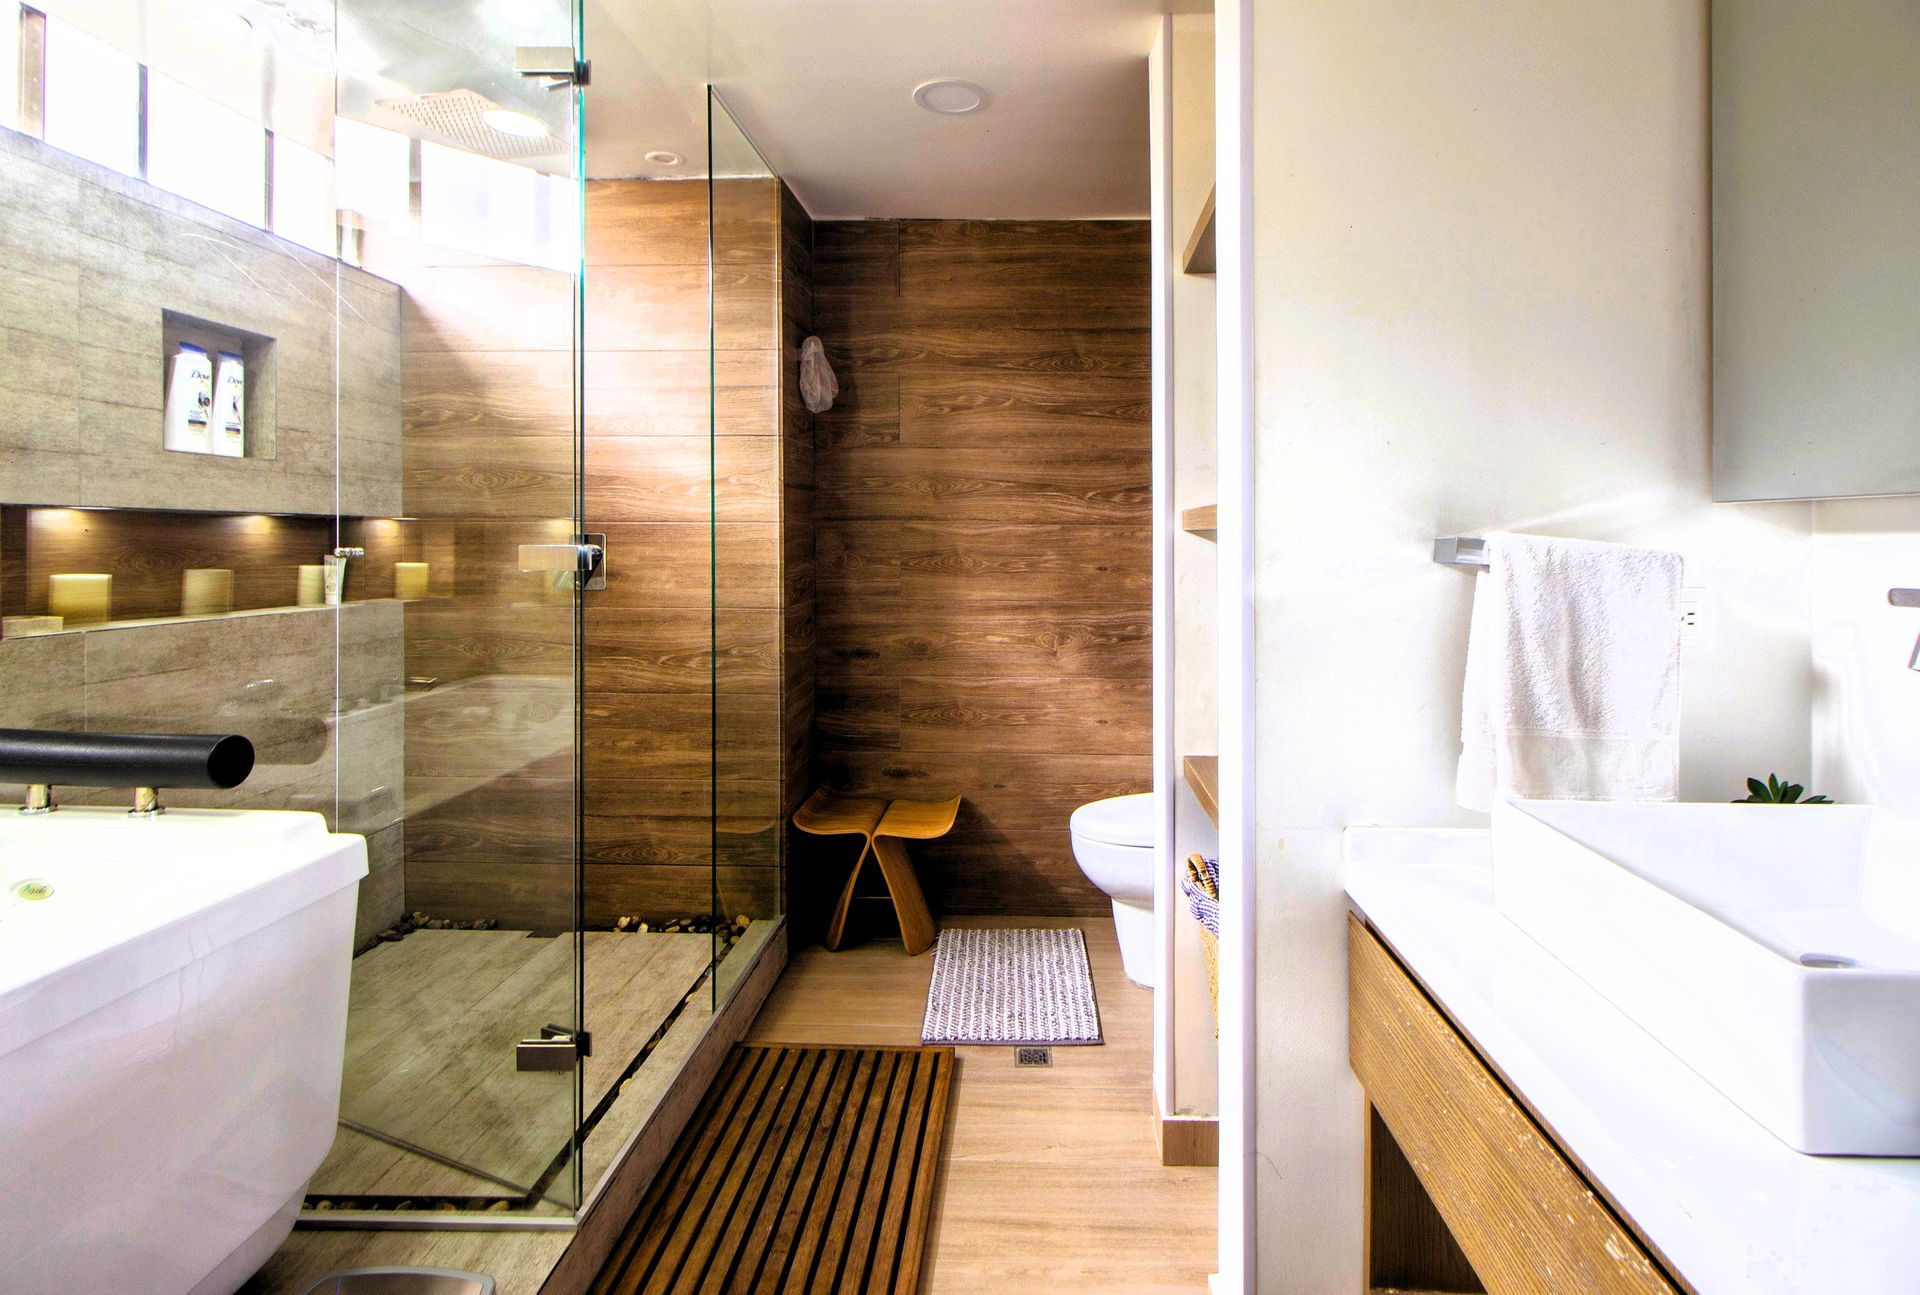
(458, 118)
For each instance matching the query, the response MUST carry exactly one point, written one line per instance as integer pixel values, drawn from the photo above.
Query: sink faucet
(1907, 598)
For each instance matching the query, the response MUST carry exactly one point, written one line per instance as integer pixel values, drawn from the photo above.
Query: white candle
(410, 579)
(313, 586)
(206, 591)
(80, 599)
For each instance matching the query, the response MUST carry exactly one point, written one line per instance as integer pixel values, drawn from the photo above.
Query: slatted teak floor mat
(804, 1170)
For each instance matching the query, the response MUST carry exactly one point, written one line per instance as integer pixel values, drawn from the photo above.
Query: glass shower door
(457, 177)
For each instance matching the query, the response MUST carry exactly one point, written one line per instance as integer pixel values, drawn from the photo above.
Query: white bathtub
(172, 1021)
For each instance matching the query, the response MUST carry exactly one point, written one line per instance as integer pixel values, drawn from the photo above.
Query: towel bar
(1466, 552)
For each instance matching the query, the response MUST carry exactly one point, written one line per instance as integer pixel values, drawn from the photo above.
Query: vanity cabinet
(1466, 1190)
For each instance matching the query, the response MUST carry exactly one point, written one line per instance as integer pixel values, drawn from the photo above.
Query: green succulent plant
(1775, 792)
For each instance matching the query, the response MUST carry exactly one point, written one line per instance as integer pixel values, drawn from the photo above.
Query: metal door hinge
(554, 64)
(557, 1048)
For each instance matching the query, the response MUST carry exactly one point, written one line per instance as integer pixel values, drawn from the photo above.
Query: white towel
(1573, 674)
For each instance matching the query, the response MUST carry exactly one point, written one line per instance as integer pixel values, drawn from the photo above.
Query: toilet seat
(1121, 820)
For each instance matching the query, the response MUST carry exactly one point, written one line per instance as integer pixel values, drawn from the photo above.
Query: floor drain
(1033, 1056)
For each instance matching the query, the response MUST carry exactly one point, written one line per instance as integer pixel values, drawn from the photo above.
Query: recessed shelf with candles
(81, 568)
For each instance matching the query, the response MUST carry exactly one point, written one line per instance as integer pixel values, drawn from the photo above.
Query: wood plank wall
(984, 557)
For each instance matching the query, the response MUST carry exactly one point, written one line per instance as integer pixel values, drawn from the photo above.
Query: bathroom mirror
(1816, 248)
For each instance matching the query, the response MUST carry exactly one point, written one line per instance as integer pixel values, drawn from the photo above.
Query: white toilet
(1113, 843)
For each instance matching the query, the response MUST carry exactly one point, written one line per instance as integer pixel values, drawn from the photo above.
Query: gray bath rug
(1011, 987)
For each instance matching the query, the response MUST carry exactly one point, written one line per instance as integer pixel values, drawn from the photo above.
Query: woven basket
(1201, 886)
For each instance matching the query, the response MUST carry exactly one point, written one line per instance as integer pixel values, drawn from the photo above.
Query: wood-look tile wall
(91, 261)
(487, 462)
(797, 524)
(984, 558)
(699, 650)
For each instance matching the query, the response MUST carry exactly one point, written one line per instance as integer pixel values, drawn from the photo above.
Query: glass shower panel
(379, 588)
(649, 715)
(754, 344)
(458, 186)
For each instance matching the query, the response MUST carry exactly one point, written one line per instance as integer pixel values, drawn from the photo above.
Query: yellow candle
(206, 591)
(313, 586)
(80, 599)
(410, 580)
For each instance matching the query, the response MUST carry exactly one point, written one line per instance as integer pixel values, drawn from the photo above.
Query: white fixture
(1775, 949)
(662, 157)
(173, 1009)
(1113, 844)
(949, 97)
(521, 125)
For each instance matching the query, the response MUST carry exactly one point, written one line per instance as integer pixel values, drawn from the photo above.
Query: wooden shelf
(1203, 776)
(1204, 522)
(1199, 258)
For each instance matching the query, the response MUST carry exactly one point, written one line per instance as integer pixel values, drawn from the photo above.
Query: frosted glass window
(480, 204)
(373, 172)
(205, 152)
(92, 99)
(303, 197)
(9, 65)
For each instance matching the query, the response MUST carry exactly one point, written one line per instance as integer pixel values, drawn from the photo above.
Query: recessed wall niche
(256, 352)
(161, 564)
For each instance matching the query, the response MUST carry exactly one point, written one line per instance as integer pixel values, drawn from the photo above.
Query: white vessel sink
(1775, 949)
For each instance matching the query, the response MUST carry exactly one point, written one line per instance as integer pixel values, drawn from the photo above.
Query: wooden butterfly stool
(884, 828)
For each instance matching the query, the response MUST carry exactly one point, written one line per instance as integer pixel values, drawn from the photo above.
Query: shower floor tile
(432, 1023)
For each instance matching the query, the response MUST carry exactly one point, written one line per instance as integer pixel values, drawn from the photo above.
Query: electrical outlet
(1697, 620)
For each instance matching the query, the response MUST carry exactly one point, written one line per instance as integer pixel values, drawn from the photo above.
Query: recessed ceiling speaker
(949, 97)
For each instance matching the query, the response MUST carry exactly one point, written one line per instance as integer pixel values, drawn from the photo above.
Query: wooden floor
(431, 1028)
(1052, 1180)
(806, 1169)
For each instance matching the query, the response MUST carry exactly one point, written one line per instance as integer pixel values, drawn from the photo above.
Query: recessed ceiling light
(949, 97)
(521, 125)
(661, 157)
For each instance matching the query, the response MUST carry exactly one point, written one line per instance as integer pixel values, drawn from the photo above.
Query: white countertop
(1729, 1206)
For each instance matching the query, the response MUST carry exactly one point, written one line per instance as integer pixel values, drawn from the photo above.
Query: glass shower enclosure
(457, 173)
(433, 585)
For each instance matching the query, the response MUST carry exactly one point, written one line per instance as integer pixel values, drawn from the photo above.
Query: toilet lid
(1123, 820)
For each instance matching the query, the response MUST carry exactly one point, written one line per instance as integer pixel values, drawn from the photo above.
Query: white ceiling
(824, 89)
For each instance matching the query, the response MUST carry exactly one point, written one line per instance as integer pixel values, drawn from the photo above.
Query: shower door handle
(587, 558)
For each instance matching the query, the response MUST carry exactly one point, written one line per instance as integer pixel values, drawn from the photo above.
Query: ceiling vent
(455, 118)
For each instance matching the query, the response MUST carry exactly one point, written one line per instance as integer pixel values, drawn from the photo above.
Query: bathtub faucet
(44, 758)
